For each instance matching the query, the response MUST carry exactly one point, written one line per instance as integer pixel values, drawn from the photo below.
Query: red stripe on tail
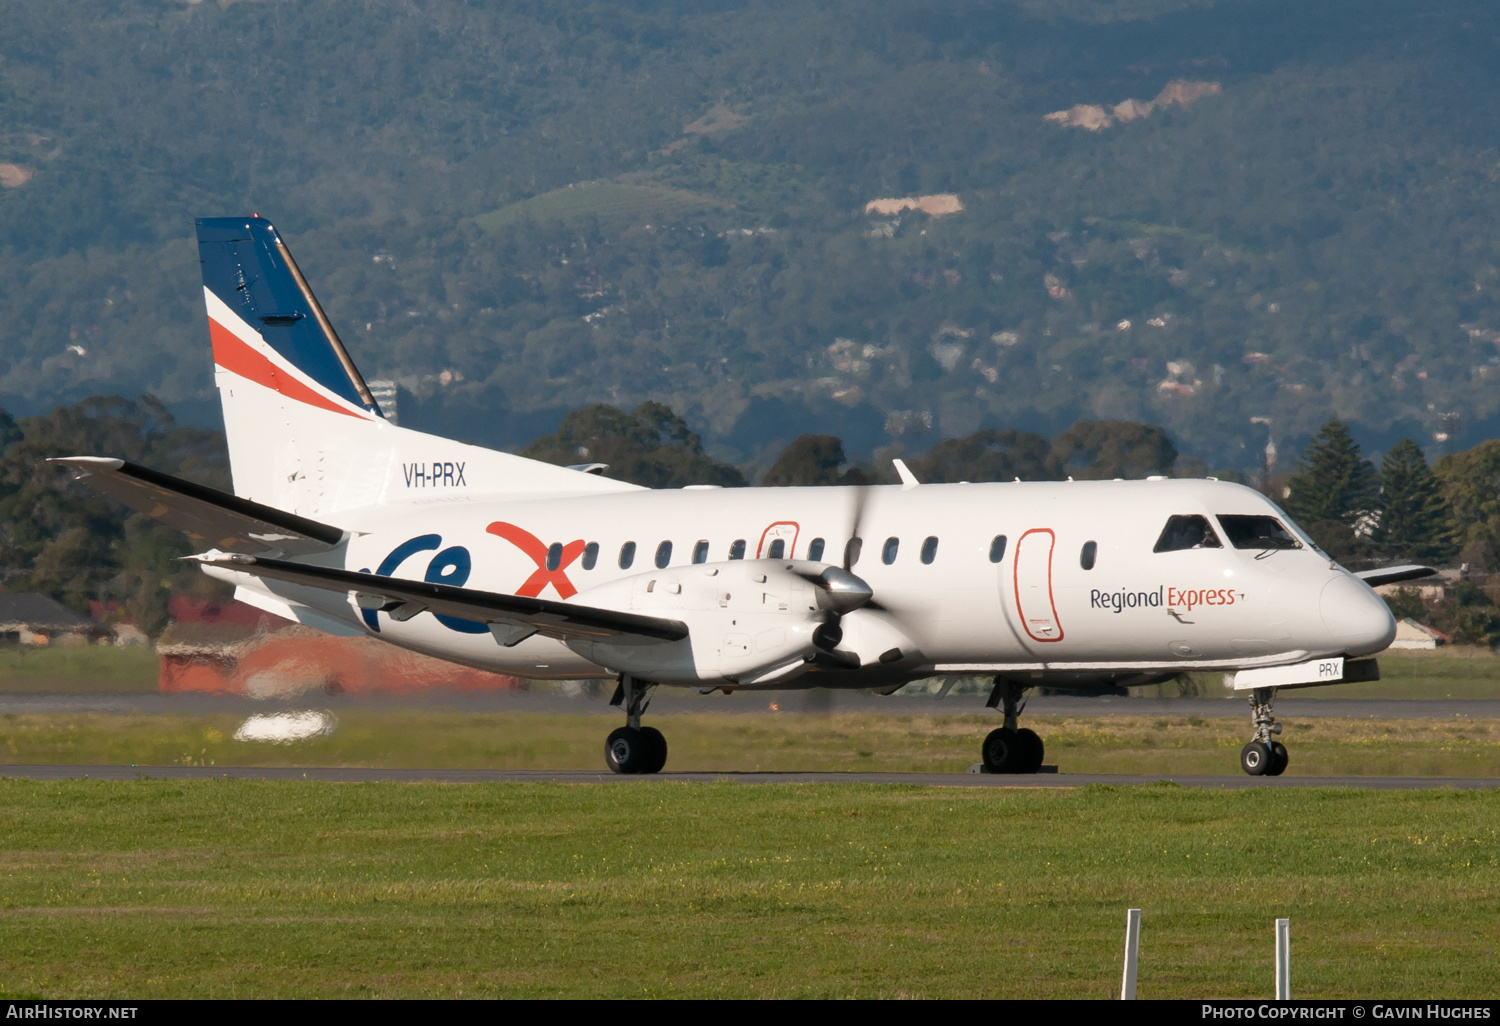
(231, 353)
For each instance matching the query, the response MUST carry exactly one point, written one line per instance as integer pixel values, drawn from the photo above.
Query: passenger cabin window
(997, 548)
(663, 555)
(815, 550)
(929, 550)
(1256, 532)
(627, 555)
(851, 551)
(737, 549)
(554, 555)
(888, 550)
(777, 549)
(590, 555)
(1189, 531)
(700, 552)
(1088, 555)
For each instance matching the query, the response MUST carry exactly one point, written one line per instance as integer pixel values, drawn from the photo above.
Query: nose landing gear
(1009, 749)
(634, 748)
(1263, 757)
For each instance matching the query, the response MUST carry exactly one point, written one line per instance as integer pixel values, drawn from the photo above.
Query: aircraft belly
(536, 657)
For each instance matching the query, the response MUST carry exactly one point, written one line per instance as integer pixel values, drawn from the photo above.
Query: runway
(1039, 780)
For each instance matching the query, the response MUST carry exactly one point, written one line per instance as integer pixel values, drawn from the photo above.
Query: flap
(405, 599)
(213, 519)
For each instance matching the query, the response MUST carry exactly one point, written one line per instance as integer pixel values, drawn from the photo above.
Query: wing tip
(88, 462)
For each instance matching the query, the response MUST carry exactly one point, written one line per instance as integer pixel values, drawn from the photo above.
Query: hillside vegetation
(1250, 208)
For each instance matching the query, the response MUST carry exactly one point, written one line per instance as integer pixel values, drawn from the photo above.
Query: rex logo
(453, 565)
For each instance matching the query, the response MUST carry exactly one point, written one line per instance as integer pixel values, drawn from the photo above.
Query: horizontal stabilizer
(512, 618)
(1394, 574)
(213, 519)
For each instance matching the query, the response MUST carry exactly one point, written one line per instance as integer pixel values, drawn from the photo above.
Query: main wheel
(1003, 751)
(627, 751)
(1256, 758)
(1278, 759)
(656, 749)
(1032, 750)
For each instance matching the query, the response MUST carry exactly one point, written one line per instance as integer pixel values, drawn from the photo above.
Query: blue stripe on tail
(246, 265)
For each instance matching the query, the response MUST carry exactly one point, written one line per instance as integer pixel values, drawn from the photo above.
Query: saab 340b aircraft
(350, 524)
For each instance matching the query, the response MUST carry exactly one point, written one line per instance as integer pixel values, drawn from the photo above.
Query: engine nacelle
(872, 637)
(749, 621)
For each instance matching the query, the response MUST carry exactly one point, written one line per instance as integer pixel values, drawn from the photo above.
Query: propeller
(846, 591)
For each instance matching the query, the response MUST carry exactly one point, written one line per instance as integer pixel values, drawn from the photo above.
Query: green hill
(1180, 211)
(607, 201)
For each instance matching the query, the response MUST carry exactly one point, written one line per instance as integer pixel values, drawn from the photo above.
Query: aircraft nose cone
(1356, 617)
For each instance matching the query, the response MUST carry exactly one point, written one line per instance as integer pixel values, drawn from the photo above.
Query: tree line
(64, 540)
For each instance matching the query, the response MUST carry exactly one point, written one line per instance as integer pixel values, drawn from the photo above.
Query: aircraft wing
(213, 519)
(1394, 574)
(512, 618)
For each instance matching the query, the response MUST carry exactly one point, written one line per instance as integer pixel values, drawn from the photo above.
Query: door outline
(1016, 580)
(771, 533)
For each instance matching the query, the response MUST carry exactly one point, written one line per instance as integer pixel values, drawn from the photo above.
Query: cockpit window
(1253, 532)
(1189, 531)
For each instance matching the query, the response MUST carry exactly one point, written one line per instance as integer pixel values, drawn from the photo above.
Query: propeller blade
(856, 519)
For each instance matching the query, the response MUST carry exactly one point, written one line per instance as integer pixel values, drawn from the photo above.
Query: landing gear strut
(1008, 749)
(634, 748)
(1263, 757)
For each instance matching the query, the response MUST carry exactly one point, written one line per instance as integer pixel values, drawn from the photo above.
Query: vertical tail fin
(281, 369)
(265, 322)
(305, 434)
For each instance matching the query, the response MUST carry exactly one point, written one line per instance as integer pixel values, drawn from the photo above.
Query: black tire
(626, 751)
(1003, 751)
(1256, 758)
(656, 749)
(1032, 750)
(1278, 759)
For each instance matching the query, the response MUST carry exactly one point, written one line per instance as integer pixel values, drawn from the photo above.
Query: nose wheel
(634, 748)
(1264, 756)
(1011, 749)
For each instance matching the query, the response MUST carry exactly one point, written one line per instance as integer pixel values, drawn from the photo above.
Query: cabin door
(1035, 606)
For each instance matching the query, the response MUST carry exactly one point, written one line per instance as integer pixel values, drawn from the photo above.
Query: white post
(1283, 960)
(1132, 953)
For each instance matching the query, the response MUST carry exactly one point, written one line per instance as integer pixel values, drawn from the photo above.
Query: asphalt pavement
(678, 700)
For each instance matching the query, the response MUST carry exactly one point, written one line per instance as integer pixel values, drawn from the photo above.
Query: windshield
(1189, 531)
(1257, 532)
(1301, 535)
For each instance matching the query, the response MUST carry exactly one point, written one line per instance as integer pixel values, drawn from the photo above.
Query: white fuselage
(1034, 610)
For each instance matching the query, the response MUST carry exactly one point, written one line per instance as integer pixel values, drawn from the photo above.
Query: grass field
(232, 888)
(422, 739)
(604, 200)
(90, 668)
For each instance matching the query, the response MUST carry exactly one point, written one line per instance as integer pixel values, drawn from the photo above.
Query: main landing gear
(1263, 757)
(1008, 749)
(634, 748)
